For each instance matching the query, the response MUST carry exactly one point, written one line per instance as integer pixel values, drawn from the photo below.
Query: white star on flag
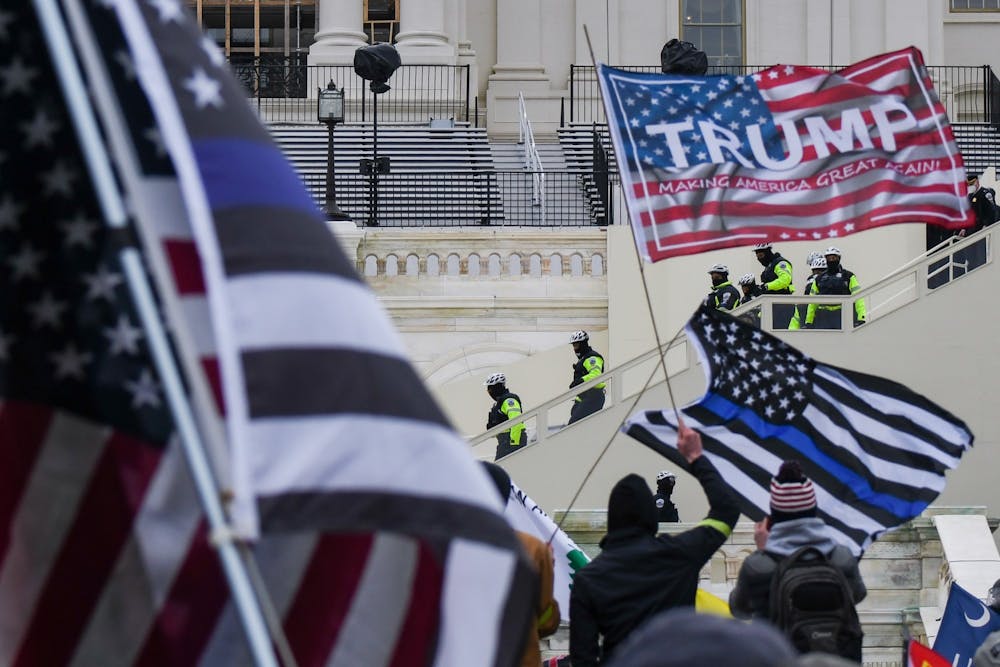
(58, 180)
(9, 212)
(47, 311)
(69, 362)
(128, 66)
(102, 283)
(145, 390)
(79, 231)
(123, 337)
(25, 263)
(212, 50)
(206, 90)
(39, 130)
(169, 10)
(16, 77)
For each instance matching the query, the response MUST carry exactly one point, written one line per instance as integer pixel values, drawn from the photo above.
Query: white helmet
(818, 263)
(719, 268)
(762, 246)
(496, 378)
(579, 337)
(664, 474)
(812, 256)
(748, 279)
(832, 250)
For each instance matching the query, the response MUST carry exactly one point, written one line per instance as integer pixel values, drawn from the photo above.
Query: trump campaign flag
(875, 450)
(966, 623)
(788, 153)
(378, 539)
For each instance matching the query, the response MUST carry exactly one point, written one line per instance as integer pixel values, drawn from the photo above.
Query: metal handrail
(532, 160)
(615, 394)
(913, 270)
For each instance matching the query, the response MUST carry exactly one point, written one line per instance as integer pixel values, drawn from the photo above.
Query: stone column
(339, 34)
(519, 68)
(422, 39)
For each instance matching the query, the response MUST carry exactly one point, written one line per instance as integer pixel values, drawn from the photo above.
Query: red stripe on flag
(418, 637)
(22, 432)
(102, 525)
(816, 99)
(185, 265)
(214, 375)
(191, 610)
(324, 597)
(696, 242)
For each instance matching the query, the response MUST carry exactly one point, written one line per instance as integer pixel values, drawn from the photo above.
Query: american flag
(788, 153)
(876, 451)
(381, 540)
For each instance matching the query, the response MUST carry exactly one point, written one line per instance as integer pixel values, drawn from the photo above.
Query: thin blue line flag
(875, 450)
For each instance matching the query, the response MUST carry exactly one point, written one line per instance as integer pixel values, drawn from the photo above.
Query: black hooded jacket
(639, 573)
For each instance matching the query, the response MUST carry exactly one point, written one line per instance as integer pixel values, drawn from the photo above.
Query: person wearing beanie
(792, 524)
(639, 573)
(547, 615)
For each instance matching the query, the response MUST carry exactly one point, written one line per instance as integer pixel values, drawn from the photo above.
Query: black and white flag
(875, 450)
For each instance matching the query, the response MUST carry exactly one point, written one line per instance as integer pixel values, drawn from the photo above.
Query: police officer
(834, 280)
(506, 406)
(724, 295)
(776, 278)
(817, 263)
(984, 204)
(589, 364)
(748, 285)
(666, 511)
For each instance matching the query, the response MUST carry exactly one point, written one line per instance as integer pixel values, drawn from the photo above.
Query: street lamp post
(330, 111)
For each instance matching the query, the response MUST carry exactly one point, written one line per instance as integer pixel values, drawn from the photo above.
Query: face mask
(718, 280)
(972, 189)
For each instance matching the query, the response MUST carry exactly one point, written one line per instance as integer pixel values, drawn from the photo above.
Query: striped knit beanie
(792, 492)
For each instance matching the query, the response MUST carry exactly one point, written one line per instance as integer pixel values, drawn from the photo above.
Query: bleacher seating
(440, 176)
(577, 142)
(979, 144)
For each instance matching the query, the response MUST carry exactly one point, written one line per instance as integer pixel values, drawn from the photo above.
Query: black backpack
(677, 57)
(811, 602)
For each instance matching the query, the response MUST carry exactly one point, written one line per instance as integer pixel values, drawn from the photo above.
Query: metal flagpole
(115, 216)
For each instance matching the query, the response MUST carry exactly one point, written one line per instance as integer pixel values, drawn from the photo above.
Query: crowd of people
(827, 277)
(794, 603)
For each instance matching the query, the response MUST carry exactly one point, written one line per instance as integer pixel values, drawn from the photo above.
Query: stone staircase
(437, 176)
(905, 571)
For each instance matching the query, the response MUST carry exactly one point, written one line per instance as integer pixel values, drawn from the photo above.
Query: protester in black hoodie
(638, 573)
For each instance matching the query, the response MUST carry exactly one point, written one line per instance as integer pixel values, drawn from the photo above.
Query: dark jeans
(781, 315)
(504, 446)
(587, 403)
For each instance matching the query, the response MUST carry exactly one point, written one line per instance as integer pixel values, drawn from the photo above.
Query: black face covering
(718, 279)
(765, 257)
(833, 265)
(631, 506)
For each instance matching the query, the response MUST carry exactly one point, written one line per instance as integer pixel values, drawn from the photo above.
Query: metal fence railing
(971, 94)
(284, 91)
(461, 199)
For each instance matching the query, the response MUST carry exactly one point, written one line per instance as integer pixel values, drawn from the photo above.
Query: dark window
(715, 27)
(975, 5)
(381, 20)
